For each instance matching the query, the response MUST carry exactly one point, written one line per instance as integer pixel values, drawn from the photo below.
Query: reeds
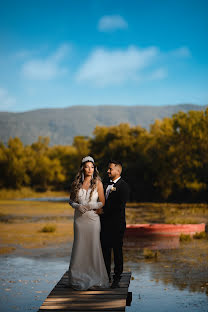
(188, 237)
(48, 228)
(185, 238)
(200, 235)
(150, 254)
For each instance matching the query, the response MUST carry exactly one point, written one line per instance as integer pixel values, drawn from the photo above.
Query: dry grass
(20, 227)
(26, 192)
(29, 235)
(166, 213)
(33, 208)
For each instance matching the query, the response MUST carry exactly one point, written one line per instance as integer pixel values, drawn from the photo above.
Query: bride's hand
(94, 206)
(82, 209)
(88, 207)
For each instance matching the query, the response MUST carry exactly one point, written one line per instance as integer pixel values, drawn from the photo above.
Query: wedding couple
(99, 225)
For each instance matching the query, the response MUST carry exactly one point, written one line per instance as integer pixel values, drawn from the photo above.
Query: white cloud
(111, 23)
(181, 52)
(157, 74)
(6, 100)
(104, 67)
(23, 54)
(48, 68)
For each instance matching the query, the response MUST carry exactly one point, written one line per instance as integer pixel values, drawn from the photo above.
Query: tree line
(168, 162)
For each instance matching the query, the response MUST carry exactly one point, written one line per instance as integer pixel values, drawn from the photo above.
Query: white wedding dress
(87, 267)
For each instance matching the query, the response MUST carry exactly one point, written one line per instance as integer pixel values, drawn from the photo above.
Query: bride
(87, 268)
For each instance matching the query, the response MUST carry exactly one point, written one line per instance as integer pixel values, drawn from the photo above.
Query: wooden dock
(67, 299)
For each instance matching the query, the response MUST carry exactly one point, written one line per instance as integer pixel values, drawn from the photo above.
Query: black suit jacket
(113, 220)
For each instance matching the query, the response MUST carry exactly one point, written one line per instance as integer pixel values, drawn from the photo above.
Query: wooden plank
(85, 307)
(55, 310)
(123, 273)
(109, 301)
(117, 304)
(63, 292)
(82, 298)
(126, 276)
(65, 281)
(122, 276)
(123, 279)
(64, 286)
(65, 299)
(69, 290)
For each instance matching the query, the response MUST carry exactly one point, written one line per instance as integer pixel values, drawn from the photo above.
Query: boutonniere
(113, 189)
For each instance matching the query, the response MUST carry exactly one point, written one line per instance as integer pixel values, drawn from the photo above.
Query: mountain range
(62, 124)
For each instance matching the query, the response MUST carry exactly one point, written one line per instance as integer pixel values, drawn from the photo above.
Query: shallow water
(152, 294)
(153, 242)
(26, 282)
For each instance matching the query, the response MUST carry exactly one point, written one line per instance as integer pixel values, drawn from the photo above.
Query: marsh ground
(22, 222)
(32, 261)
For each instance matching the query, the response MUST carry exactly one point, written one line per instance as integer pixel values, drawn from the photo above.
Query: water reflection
(153, 242)
(183, 266)
(150, 293)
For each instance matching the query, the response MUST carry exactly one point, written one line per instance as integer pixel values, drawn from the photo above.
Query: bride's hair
(78, 181)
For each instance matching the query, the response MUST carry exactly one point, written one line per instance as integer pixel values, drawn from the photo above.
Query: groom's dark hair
(115, 162)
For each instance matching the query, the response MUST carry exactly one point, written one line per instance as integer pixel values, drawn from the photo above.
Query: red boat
(133, 230)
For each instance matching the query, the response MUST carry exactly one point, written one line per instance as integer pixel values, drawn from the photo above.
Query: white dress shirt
(110, 187)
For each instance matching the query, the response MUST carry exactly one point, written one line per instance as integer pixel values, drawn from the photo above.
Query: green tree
(13, 164)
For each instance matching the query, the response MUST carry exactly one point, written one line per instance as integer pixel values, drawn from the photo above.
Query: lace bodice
(84, 195)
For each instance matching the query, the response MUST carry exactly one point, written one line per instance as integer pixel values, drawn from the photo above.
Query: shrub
(48, 229)
(185, 238)
(200, 235)
(149, 254)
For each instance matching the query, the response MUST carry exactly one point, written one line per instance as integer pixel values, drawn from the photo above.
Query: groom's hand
(99, 211)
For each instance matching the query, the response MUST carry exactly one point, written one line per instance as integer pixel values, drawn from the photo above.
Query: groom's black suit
(113, 225)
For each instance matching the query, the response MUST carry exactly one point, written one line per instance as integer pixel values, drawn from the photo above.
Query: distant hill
(62, 124)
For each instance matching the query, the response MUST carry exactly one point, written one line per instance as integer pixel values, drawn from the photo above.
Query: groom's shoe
(115, 283)
(109, 278)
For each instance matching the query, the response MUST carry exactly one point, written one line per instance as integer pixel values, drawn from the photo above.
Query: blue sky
(59, 53)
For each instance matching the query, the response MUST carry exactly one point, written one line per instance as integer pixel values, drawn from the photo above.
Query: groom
(113, 221)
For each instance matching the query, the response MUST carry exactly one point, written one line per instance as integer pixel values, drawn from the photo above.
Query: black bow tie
(110, 183)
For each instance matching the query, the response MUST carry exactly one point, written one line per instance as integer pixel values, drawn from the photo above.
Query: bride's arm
(80, 207)
(101, 193)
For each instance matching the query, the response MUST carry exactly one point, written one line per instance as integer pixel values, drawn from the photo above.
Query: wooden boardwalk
(67, 299)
